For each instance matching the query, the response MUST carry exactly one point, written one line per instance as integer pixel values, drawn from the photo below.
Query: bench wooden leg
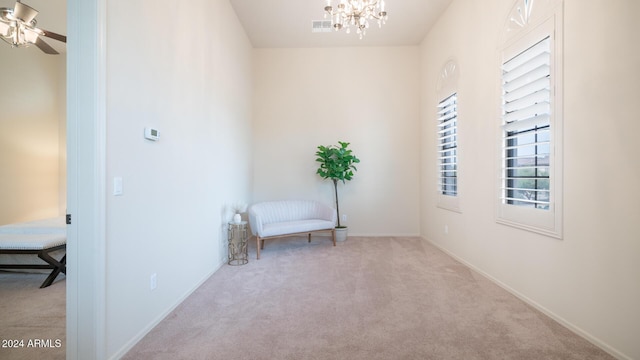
(309, 237)
(258, 247)
(333, 235)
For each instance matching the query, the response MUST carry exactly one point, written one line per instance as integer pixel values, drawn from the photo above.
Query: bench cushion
(31, 241)
(55, 225)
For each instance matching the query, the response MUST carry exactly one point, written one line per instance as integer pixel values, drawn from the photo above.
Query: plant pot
(237, 219)
(341, 233)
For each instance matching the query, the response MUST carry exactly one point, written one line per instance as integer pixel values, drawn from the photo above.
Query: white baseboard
(384, 235)
(131, 343)
(351, 234)
(577, 330)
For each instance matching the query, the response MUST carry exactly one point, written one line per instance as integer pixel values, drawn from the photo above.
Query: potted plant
(236, 209)
(337, 164)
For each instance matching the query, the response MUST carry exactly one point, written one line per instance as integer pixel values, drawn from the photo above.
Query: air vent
(321, 26)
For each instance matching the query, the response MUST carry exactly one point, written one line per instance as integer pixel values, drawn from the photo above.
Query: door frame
(86, 169)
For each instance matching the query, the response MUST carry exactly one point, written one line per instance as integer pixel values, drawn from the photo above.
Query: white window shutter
(526, 86)
(448, 146)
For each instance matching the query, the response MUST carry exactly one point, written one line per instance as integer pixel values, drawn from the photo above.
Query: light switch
(117, 186)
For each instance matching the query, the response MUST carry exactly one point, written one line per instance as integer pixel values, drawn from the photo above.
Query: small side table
(237, 236)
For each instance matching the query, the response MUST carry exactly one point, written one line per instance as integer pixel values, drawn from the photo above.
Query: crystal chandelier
(356, 13)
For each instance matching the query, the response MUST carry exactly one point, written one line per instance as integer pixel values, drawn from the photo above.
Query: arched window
(530, 183)
(447, 132)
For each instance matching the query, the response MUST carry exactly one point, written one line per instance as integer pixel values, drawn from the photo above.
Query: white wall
(366, 96)
(589, 279)
(31, 134)
(188, 74)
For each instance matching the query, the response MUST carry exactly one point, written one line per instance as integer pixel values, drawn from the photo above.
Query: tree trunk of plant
(335, 186)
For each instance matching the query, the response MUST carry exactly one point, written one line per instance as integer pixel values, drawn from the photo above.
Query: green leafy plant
(337, 164)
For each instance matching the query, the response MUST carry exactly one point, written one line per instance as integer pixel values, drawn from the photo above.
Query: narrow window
(448, 146)
(530, 157)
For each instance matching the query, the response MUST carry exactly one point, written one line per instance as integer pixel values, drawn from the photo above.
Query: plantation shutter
(526, 86)
(448, 146)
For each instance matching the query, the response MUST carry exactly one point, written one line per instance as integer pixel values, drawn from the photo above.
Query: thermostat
(151, 134)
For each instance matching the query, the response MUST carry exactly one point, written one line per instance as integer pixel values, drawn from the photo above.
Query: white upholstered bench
(274, 219)
(44, 238)
(38, 244)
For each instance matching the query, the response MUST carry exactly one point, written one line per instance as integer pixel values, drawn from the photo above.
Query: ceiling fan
(18, 28)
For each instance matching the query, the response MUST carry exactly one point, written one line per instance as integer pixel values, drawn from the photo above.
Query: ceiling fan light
(24, 12)
(5, 29)
(30, 36)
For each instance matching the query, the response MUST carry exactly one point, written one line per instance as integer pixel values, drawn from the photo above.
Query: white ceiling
(287, 23)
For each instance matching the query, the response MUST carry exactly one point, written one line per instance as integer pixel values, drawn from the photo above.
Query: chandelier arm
(378, 17)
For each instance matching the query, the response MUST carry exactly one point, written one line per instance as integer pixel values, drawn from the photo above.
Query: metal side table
(238, 239)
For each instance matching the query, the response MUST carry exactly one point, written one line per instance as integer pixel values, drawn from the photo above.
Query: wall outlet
(153, 281)
(446, 229)
(344, 217)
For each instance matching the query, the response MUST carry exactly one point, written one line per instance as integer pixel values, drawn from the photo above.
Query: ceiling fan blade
(52, 35)
(46, 48)
(24, 12)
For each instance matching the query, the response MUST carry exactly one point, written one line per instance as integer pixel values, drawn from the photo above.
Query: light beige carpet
(32, 320)
(367, 298)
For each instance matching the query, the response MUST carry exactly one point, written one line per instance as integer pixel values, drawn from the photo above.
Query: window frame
(544, 221)
(447, 86)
